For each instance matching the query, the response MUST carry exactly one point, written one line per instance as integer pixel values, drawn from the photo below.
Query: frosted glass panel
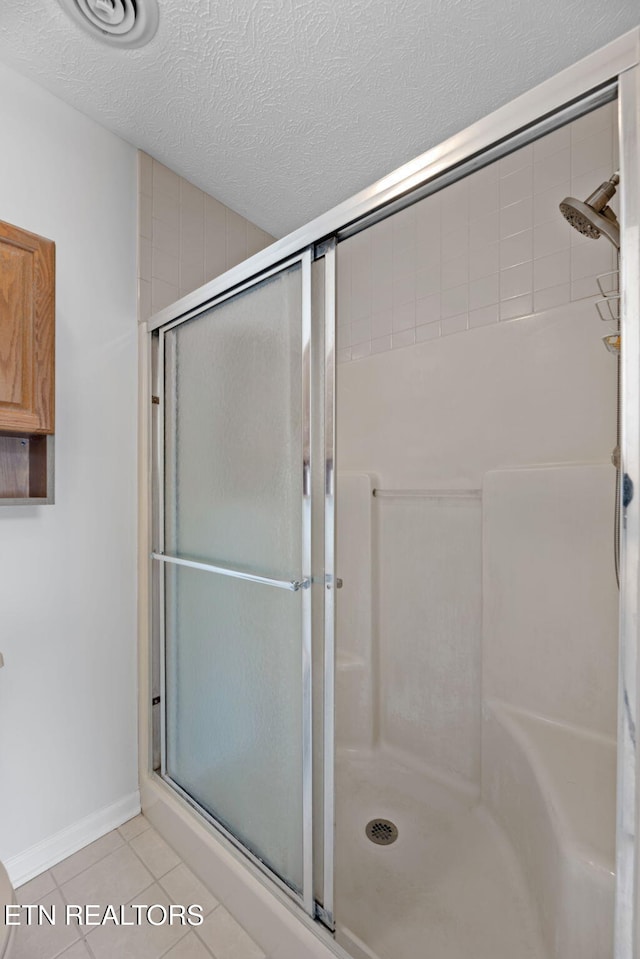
(233, 431)
(234, 733)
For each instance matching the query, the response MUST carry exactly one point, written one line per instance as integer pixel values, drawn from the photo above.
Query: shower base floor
(449, 887)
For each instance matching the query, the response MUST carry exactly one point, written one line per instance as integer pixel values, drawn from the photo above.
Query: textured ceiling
(283, 108)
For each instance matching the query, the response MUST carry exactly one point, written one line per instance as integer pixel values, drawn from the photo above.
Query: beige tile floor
(132, 864)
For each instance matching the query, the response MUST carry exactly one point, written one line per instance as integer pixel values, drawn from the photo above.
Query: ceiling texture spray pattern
(283, 108)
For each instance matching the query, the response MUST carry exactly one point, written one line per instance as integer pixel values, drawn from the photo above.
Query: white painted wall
(67, 571)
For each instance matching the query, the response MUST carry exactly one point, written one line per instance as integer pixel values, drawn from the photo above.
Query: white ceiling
(283, 108)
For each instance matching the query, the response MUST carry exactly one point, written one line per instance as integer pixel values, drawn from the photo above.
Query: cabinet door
(27, 311)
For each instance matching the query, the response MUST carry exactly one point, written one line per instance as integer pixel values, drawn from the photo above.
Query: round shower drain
(382, 831)
(123, 23)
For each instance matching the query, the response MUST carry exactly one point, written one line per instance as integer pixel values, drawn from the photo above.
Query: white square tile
(484, 291)
(166, 207)
(360, 332)
(381, 245)
(188, 948)
(483, 191)
(236, 230)
(485, 316)
(145, 173)
(256, 240)
(551, 237)
(454, 242)
(86, 857)
(455, 272)
(546, 204)
(516, 249)
(381, 344)
(454, 301)
(553, 270)
(382, 287)
(165, 267)
(484, 259)
(45, 941)
(133, 827)
(455, 206)
(381, 324)
(428, 309)
(552, 143)
(145, 215)
(428, 331)
(192, 231)
(191, 273)
(360, 351)
(35, 889)
(404, 317)
(591, 259)
(192, 247)
(404, 288)
(516, 280)
(165, 180)
(551, 297)
(516, 218)
(144, 300)
(144, 258)
(140, 941)
(191, 200)
(113, 880)
(485, 229)
(551, 171)
(343, 336)
(518, 306)
(454, 324)
(165, 238)
(162, 294)
(428, 280)
(215, 238)
(77, 951)
(156, 854)
(404, 242)
(361, 280)
(516, 186)
(586, 286)
(591, 153)
(593, 123)
(516, 160)
(405, 338)
(226, 938)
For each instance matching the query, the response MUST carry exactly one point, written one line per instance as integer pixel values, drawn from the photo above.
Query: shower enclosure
(266, 542)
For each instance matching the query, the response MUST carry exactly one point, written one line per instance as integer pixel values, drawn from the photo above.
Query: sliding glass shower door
(235, 551)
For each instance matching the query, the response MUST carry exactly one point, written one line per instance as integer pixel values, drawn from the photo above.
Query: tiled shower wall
(186, 237)
(491, 247)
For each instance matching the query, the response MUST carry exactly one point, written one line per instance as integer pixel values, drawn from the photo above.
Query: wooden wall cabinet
(27, 363)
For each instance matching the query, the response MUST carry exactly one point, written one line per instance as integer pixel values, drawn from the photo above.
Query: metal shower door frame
(302, 584)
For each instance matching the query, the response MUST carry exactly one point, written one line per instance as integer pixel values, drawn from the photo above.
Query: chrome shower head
(594, 218)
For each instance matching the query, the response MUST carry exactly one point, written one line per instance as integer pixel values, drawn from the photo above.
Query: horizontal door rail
(291, 584)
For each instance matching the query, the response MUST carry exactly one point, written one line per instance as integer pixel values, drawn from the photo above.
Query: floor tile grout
(85, 933)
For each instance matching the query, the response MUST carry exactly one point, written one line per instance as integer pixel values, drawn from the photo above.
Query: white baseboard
(49, 852)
